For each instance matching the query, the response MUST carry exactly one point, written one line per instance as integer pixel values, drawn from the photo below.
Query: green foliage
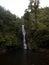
(38, 37)
(6, 20)
(11, 33)
(10, 28)
(8, 40)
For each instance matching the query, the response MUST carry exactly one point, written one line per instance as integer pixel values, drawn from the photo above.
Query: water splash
(24, 40)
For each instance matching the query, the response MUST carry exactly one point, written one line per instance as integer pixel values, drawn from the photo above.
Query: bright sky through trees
(18, 7)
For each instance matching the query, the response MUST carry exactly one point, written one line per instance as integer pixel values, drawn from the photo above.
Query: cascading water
(24, 40)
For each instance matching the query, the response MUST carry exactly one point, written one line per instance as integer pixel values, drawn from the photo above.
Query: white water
(24, 40)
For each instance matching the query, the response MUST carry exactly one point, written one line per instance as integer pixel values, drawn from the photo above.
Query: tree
(39, 17)
(10, 28)
(33, 7)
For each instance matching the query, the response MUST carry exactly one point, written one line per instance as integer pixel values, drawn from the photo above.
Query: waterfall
(24, 40)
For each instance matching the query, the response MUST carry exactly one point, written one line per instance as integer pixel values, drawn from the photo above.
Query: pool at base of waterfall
(24, 57)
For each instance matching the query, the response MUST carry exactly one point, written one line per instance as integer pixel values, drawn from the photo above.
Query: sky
(18, 7)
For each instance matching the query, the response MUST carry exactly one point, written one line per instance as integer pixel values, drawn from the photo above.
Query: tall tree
(33, 7)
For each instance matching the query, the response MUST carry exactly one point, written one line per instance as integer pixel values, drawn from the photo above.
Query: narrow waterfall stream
(24, 40)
